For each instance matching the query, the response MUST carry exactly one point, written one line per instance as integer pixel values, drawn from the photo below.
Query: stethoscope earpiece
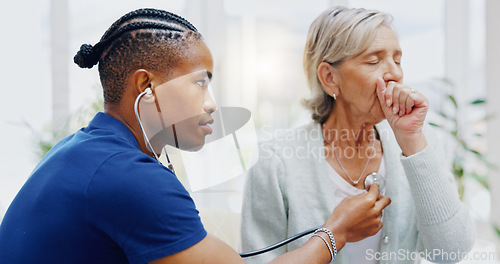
(148, 95)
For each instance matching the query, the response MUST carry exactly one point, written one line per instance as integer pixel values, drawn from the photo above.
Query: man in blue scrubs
(100, 195)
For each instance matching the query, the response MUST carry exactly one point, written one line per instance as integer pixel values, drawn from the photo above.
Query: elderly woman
(365, 120)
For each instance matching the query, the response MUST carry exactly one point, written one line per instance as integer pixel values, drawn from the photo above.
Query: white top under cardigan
(355, 252)
(289, 191)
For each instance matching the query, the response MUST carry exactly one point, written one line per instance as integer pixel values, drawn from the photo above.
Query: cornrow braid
(150, 13)
(134, 41)
(136, 26)
(88, 55)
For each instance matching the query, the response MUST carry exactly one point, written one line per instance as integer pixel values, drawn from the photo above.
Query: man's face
(180, 114)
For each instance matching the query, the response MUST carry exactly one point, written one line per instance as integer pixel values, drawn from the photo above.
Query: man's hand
(358, 217)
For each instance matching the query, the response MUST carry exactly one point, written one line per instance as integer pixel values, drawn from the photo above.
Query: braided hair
(145, 38)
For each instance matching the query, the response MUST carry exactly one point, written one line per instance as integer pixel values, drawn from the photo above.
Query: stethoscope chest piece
(373, 178)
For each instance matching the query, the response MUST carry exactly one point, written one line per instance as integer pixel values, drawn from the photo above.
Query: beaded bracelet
(327, 244)
(332, 239)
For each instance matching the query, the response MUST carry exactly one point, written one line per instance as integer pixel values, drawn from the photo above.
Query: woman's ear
(328, 77)
(142, 79)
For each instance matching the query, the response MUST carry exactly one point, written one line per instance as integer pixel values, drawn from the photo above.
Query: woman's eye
(397, 59)
(373, 63)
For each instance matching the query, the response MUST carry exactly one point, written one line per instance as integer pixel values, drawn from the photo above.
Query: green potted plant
(464, 138)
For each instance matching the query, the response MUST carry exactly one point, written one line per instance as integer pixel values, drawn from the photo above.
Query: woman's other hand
(405, 110)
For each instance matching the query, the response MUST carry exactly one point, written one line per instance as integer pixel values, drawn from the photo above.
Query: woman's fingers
(398, 97)
(410, 102)
(384, 97)
(395, 98)
(407, 100)
(388, 93)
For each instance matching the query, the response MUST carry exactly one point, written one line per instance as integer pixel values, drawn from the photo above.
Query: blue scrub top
(96, 198)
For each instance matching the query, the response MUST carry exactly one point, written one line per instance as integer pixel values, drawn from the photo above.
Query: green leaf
(445, 115)
(458, 169)
(478, 101)
(44, 147)
(497, 230)
(488, 163)
(481, 179)
(482, 158)
(474, 151)
(452, 99)
(434, 124)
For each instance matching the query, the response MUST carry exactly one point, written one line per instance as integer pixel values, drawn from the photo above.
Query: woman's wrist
(412, 144)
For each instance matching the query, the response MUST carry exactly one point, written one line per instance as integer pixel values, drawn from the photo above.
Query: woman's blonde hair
(335, 35)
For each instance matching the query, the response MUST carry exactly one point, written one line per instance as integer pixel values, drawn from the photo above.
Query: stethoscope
(370, 179)
(148, 91)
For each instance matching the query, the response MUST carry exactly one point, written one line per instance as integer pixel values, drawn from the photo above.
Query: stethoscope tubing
(279, 244)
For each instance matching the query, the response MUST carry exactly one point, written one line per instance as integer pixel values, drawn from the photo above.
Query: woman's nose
(393, 73)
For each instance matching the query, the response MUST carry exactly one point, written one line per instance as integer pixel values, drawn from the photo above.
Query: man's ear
(328, 77)
(142, 79)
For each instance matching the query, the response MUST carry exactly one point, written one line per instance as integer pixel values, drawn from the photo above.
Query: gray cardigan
(287, 192)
